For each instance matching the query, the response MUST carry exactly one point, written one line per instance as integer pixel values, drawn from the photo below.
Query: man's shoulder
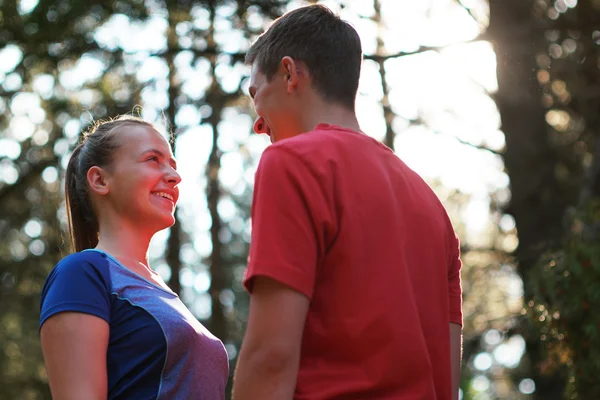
(316, 137)
(305, 147)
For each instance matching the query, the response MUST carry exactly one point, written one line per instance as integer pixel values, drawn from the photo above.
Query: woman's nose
(173, 176)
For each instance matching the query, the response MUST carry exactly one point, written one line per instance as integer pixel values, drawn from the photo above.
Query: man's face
(271, 102)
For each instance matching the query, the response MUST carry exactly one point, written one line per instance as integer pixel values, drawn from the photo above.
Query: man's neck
(322, 112)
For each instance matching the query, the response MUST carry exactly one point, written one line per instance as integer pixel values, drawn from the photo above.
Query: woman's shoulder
(80, 282)
(87, 265)
(83, 259)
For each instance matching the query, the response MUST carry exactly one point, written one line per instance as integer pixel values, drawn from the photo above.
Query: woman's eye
(153, 158)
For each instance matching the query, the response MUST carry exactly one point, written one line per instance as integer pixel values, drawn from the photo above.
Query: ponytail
(83, 225)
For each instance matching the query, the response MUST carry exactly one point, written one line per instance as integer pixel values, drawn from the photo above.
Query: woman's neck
(124, 241)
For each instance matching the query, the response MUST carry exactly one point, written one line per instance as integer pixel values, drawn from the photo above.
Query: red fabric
(337, 216)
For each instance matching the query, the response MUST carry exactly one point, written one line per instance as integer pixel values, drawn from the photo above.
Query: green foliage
(566, 297)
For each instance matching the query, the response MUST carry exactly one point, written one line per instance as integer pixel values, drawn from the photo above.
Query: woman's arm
(74, 347)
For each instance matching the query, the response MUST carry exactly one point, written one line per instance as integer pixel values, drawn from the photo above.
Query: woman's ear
(96, 179)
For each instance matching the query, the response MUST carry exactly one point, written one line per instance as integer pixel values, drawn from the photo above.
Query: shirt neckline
(330, 127)
(112, 258)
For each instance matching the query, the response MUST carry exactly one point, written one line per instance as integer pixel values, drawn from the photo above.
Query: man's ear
(96, 179)
(292, 72)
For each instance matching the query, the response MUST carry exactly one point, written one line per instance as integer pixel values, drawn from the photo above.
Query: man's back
(386, 282)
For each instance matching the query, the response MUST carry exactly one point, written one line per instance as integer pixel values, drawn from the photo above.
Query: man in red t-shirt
(354, 268)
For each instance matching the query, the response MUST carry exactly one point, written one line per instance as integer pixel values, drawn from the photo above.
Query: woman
(110, 326)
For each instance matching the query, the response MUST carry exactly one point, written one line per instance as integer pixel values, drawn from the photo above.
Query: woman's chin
(168, 222)
(163, 222)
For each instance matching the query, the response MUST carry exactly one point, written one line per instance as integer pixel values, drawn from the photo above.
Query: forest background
(495, 103)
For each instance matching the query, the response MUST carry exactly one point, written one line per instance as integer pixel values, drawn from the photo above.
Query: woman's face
(142, 178)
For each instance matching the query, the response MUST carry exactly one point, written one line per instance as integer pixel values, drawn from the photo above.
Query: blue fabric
(157, 349)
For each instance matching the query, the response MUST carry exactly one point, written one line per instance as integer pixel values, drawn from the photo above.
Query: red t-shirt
(339, 217)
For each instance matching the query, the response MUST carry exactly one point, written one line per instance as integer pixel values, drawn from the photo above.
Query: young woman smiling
(110, 326)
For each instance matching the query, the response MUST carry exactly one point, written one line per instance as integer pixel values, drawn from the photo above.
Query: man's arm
(269, 358)
(455, 356)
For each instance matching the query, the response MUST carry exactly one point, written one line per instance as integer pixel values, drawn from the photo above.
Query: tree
(180, 64)
(548, 101)
(40, 118)
(63, 69)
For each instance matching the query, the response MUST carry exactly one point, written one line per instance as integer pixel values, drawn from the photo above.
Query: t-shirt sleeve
(454, 285)
(291, 218)
(78, 283)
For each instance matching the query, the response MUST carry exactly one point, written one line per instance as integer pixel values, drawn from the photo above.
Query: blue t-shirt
(156, 349)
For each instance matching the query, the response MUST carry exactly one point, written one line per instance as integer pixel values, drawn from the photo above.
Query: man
(354, 266)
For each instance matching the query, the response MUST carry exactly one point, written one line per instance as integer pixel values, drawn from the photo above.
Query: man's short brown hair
(327, 45)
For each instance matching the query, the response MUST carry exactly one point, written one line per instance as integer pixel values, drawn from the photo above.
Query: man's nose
(260, 126)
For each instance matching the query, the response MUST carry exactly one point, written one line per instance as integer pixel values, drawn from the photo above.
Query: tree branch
(461, 141)
(479, 147)
(423, 49)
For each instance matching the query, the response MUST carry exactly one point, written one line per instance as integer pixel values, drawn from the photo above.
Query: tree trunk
(174, 241)
(538, 201)
(215, 97)
(388, 114)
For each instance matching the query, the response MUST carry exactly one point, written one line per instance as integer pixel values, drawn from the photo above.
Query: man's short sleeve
(290, 220)
(454, 285)
(78, 283)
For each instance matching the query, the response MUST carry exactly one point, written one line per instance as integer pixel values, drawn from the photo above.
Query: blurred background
(495, 103)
